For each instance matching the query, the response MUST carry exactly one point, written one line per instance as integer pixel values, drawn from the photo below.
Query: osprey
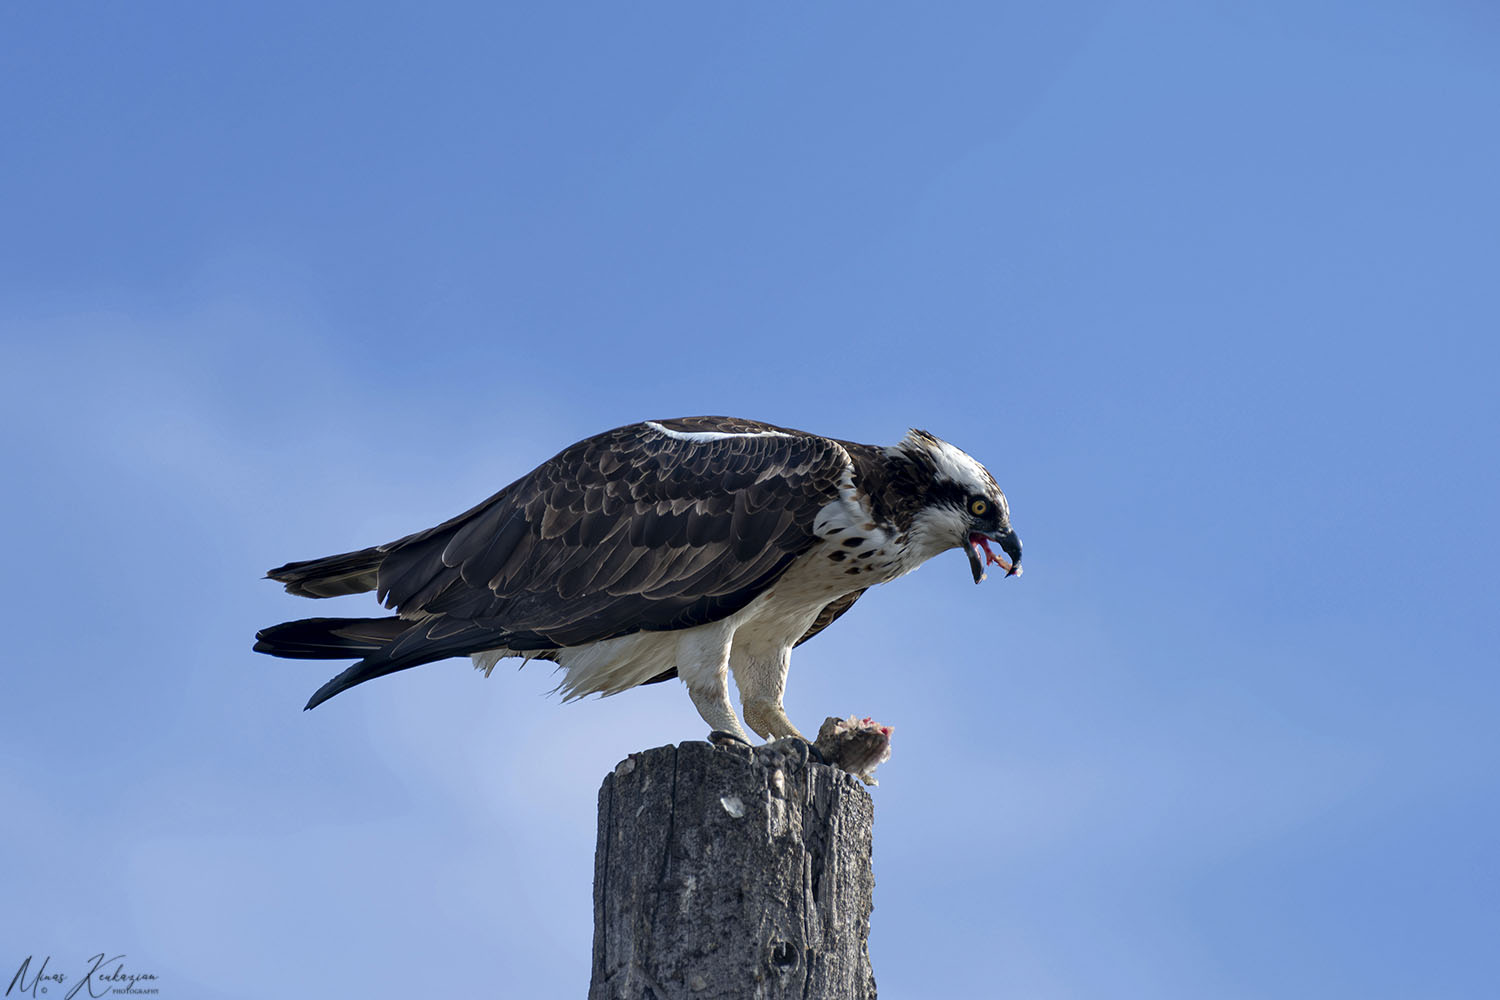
(692, 548)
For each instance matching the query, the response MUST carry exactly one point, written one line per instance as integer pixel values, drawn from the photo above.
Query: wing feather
(633, 529)
(830, 614)
(489, 554)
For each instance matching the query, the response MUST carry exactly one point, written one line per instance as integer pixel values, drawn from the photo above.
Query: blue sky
(1211, 289)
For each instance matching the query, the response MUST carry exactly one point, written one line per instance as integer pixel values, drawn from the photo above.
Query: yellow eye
(977, 507)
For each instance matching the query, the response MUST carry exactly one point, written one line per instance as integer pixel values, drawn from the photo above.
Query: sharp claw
(814, 753)
(719, 737)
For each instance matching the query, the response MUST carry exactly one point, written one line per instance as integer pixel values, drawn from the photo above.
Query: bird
(695, 547)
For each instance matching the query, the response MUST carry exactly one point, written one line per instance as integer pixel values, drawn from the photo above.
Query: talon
(814, 753)
(719, 737)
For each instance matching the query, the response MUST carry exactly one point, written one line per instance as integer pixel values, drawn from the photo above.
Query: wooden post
(732, 873)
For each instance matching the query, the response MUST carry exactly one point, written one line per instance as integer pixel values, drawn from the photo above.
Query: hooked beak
(1009, 542)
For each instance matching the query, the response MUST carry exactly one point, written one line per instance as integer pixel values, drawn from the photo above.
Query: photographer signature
(98, 980)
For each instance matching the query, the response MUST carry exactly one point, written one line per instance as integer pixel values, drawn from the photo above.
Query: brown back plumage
(633, 529)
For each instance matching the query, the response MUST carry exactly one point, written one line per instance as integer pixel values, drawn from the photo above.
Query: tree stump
(731, 873)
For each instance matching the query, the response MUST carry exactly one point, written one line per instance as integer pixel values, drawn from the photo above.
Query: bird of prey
(693, 548)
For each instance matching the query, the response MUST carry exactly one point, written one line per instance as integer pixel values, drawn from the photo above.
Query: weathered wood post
(731, 873)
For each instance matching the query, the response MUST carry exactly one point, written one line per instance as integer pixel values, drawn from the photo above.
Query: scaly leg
(703, 665)
(716, 710)
(761, 677)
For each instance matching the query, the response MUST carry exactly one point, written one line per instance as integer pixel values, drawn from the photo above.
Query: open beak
(1010, 543)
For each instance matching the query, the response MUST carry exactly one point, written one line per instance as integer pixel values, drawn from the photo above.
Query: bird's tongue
(978, 542)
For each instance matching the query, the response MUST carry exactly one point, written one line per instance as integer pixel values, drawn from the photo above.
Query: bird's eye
(978, 506)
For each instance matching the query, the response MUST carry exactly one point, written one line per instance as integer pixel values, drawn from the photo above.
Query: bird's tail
(338, 639)
(386, 645)
(331, 576)
(329, 638)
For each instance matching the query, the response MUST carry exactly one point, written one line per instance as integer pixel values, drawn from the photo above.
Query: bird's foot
(799, 747)
(813, 753)
(723, 737)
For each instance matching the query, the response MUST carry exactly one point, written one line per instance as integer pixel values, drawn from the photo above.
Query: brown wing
(631, 530)
(830, 614)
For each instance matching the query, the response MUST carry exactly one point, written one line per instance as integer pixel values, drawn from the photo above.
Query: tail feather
(338, 639)
(386, 645)
(330, 638)
(357, 674)
(331, 576)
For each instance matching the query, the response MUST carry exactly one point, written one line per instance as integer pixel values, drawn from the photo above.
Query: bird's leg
(703, 665)
(716, 710)
(762, 682)
(769, 720)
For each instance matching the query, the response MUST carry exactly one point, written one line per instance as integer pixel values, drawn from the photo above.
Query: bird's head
(961, 506)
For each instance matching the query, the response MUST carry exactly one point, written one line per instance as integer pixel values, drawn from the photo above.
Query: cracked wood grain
(732, 873)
